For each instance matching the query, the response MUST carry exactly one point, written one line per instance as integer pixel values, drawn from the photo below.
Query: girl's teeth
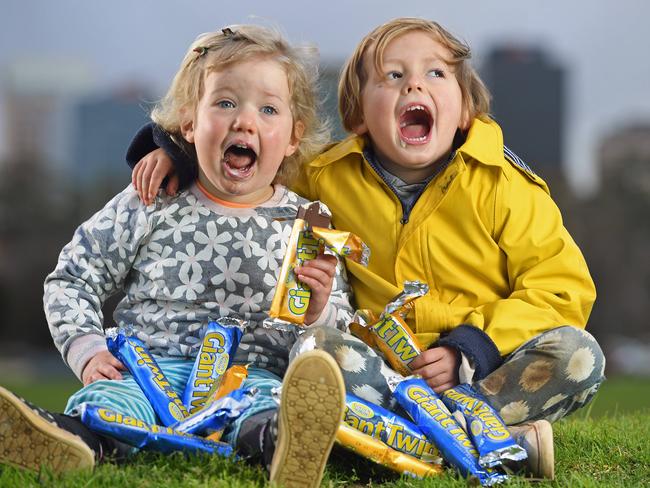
(402, 143)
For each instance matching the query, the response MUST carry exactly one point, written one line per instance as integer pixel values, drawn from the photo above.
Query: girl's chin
(239, 174)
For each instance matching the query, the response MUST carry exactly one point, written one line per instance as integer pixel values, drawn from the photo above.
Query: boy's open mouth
(239, 160)
(415, 124)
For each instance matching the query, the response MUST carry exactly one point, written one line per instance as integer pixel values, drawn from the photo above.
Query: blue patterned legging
(126, 397)
(548, 377)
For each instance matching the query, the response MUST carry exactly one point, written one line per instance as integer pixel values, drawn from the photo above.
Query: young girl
(242, 103)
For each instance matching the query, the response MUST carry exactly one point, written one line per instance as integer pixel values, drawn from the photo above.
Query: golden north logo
(361, 410)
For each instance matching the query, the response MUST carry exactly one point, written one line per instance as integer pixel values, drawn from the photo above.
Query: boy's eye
(436, 73)
(393, 75)
(269, 110)
(225, 104)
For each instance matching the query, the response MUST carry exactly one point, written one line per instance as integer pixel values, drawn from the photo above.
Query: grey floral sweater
(180, 262)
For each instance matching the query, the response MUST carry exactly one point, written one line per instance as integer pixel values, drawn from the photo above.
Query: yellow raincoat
(485, 236)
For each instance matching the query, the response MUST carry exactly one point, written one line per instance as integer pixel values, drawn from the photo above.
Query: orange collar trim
(225, 203)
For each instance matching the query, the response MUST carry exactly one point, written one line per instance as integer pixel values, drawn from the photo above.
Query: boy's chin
(410, 157)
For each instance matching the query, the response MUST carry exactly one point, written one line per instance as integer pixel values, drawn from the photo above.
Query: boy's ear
(187, 127)
(465, 119)
(298, 131)
(361, 128)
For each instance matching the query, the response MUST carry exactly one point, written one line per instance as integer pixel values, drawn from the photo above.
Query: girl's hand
(103, 366)
(438, 367)
(149, 173)
(318, 274)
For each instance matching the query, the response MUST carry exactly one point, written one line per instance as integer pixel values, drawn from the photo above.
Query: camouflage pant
(549, 376)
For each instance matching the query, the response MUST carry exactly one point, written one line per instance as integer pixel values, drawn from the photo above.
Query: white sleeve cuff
(466, 370)
(82, 350)
(326, 318)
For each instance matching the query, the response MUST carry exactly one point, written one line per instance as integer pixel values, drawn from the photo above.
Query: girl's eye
(393, 75)
(436, 73)
(269, 110)
(225, 104)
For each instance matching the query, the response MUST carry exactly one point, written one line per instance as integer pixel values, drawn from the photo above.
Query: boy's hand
(318, 274)
(103, 366)
(438, 367)
(149, 174)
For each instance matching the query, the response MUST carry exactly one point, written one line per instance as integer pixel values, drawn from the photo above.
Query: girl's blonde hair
(214, 51)
(476, 98)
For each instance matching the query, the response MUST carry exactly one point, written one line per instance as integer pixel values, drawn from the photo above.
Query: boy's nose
(412, 83)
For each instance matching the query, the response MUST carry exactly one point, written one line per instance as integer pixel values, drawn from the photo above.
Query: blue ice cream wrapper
(484, 426)
(217, 350)
(133, 353)
(434, 419)
(216, 416)
(393, 430)
(143, 435)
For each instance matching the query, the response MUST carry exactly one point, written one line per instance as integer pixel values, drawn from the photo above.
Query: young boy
(427, 182)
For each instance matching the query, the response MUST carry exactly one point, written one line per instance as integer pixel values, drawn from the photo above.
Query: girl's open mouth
(239, 160)
(415, 123)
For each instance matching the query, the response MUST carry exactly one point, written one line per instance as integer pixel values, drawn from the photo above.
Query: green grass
(605, 445)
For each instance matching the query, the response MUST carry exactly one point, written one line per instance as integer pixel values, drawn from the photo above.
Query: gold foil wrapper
(309, 238)
(403, 301)
(389, 333)
(231, 380)
(344, 244)
(291, 297)
(396, 341)
(380, 453)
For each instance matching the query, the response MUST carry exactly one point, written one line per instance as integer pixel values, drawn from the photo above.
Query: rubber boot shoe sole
(29, 441)
(311, 409)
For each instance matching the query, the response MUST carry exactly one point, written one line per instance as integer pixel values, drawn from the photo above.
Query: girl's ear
(187, 126)
(296, 137)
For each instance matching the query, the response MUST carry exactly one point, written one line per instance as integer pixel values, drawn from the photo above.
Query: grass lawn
(606, 445)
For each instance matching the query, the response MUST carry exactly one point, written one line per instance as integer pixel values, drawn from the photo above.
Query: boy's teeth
(402, 142)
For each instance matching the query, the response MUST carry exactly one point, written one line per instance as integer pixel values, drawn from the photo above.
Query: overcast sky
(605, 43)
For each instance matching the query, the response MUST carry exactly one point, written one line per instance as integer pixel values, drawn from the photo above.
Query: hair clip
(228, 32)
(201, 50)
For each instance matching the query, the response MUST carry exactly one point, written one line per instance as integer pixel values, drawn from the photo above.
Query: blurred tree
(35, 221)
(616, 222)
(39, 211)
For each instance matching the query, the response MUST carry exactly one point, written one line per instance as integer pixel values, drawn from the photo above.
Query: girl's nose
(244, 121)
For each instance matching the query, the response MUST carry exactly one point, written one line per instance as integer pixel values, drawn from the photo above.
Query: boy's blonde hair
(214, 51)
(476, 98)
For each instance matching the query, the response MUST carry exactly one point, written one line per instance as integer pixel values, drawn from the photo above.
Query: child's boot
(30, 438)
(311, 410)
(537, 439)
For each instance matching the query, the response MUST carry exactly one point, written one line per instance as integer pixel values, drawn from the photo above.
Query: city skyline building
(528, 101)
(38, 95)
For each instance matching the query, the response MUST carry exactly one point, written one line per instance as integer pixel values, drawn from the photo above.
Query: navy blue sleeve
(476, 345)
(151, 137)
